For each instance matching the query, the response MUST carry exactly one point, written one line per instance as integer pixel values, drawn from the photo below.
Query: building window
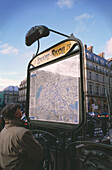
(103, 91)
(7, 99)
(97, 90)
(90, 89)
(103, 79)
(96, 77)
(90, 75)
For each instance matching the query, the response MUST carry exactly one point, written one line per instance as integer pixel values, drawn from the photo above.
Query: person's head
(11, 111)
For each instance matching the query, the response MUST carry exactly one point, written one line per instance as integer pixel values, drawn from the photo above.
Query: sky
(90, 21)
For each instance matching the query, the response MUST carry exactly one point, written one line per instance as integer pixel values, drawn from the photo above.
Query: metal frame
(66, 147)
(82, 101)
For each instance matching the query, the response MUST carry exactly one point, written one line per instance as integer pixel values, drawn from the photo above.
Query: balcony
(93, 68)
(89, 93)
(95, 94)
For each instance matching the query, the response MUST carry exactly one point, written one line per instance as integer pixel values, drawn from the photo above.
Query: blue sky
(90, 21)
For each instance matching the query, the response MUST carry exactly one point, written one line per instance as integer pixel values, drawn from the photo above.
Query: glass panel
(54, 92)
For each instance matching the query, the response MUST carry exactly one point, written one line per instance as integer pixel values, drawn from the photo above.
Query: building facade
(98, 82)
(9, 95)
(22, 94)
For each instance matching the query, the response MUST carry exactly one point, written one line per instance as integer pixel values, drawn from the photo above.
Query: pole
(59, 33)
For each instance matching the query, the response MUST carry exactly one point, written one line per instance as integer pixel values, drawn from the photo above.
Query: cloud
(83, 17)
(28, 55)
(67, 3)
(8, 82)
(9, 73)
(82, 20)
(108, 48)
(8, 49)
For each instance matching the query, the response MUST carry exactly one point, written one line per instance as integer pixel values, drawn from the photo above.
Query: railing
(99, 70)
(85, 151)
(95, 93)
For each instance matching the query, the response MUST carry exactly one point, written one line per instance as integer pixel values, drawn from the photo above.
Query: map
(54, 92)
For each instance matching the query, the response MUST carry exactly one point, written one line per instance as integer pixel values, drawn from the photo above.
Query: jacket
(18, 148)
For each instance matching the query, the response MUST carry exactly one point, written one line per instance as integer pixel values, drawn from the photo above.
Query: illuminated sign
(54, 53)
(54, 91)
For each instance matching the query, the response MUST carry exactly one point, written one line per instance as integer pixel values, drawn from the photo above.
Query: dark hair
(9, 111)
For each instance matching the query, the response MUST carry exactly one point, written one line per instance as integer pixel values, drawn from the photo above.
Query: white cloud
(8, 49)
(67, 3)
(9, 73)
(28, 55)
(82, 20)
(8, 82)
(108, 48)
(83, 17)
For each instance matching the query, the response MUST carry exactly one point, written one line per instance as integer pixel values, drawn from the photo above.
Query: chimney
(101, 54)
(90, 49)
(110, 59)
(85, 46)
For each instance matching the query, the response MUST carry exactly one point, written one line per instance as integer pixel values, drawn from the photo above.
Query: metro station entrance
(56, 106)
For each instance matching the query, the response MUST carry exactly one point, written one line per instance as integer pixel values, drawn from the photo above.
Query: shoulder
(20, 131)
(15, 131)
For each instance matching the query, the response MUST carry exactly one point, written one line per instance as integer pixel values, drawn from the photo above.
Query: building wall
(99, 82)
(1, 100)
(22, 94)
(9, 95)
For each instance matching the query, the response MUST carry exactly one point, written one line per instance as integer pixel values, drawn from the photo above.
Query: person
(18, 148)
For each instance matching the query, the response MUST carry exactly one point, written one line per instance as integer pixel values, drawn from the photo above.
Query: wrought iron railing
(87, 150)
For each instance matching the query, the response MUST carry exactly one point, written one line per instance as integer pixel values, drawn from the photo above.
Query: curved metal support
(88, 143)
(45, 132)
(47, 160)
(96, 159)
(82, 84)
(92, 155)
(59, 33)
(38, 47)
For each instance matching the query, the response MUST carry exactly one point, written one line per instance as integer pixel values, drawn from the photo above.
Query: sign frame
(68, 53)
